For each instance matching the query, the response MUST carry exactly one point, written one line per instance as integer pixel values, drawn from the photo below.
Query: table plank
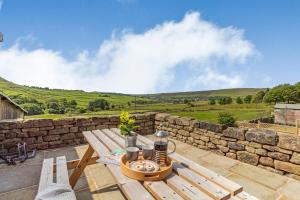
(132, 189)
(185, 189)
(210, 188)
(246, 196)
(119, 140)
(161, 191)
(223, 182)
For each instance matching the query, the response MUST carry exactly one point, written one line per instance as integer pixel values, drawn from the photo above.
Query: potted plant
(127, 128)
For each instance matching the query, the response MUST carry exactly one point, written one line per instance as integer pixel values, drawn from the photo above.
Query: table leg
(81, 165)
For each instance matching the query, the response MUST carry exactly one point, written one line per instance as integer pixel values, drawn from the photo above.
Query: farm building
(9, 109)
(287, 114)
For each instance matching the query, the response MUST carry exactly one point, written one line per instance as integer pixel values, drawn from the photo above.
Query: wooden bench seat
(62, 177)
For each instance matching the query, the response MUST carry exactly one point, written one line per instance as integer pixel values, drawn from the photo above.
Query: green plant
(239, 100)
(32, 109)
(226, 118)
(212, 102)
(98, 104)
(248, 99)
(127, 124)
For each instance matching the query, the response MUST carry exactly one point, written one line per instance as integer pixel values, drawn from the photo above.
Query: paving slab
(20, 194)
(260, 191)
(291, 191)
(264, 177)
(19, 176)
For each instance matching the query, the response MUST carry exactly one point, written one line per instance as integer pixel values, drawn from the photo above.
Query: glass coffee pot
(161, 147)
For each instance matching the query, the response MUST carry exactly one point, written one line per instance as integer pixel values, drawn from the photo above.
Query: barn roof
(287, 106)
(11, 101)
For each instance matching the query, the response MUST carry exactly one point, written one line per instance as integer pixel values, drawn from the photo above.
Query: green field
(164, 102)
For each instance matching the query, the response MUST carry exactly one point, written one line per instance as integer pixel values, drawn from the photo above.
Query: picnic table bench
(189, 180)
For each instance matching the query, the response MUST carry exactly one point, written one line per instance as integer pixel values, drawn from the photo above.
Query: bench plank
(210, 188)
(62, 176)
(46, 177)
(185, 189)
(132, 189)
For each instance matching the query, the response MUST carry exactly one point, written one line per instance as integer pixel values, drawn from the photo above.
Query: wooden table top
(189, 180)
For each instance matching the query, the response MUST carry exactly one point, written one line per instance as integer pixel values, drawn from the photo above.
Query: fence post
(258, 124)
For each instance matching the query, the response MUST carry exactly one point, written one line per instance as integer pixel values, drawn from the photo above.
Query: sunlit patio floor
(21, 181)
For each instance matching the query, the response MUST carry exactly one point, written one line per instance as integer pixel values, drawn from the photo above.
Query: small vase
(130, 141)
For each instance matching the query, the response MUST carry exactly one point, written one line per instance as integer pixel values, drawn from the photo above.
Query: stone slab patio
(20, 182)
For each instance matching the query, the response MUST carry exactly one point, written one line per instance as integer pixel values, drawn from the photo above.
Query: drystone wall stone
(262, 136)
(276, 152)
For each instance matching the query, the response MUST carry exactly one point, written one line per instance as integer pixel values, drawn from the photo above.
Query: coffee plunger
(161, 147)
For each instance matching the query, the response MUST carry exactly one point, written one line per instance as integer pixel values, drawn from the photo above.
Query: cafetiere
(161, 147)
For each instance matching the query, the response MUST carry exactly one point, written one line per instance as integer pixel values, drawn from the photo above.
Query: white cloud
(137, 63)
(212, 80)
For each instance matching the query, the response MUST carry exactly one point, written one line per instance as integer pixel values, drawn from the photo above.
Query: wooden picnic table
(189, 180)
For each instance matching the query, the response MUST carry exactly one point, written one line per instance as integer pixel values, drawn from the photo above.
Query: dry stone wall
(273, 151)
(276, 152)
(48, 133)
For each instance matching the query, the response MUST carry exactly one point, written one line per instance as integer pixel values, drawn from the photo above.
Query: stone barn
(287, 114)
(9, 109)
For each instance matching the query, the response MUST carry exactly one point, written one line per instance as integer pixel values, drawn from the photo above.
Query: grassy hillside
(165, 102)
(44, 94)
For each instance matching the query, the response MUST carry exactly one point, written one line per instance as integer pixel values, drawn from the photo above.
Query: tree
(248, 99)
(33, 109)
(226, 119)
(239, 100)
(212, 102)
(98, 104)
(225, 100)
(289, 93)
(186, 101)
(55, 108)
(283, 93)
(258, 97)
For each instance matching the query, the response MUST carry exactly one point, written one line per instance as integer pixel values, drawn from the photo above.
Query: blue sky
(121, 45)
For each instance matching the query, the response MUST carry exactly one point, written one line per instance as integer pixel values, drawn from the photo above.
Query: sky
(139, 46)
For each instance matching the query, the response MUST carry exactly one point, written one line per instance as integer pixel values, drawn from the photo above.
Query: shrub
(212, 102)
(239, 100)
(55, 108)
(98, 104)
(225, 100)
(226, 119)
(33, 109)
(82, 110)
(248, 99)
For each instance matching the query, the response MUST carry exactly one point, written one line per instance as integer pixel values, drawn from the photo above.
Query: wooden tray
(162, 173)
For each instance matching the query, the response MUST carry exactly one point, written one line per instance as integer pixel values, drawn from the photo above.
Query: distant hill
(82, 97)
(44, 94)
(204, 95)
